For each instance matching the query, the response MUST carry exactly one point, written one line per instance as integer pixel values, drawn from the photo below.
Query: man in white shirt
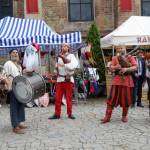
(17, 112)
(65, 86)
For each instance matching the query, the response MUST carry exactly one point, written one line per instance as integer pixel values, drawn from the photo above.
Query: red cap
(36, 46)
(67, 46)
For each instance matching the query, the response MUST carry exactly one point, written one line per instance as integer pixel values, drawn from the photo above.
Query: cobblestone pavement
(85, 132)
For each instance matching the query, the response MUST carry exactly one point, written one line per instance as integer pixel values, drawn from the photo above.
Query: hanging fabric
(30, 60)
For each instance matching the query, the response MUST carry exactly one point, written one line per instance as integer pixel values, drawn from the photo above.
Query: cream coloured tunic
(12, 70)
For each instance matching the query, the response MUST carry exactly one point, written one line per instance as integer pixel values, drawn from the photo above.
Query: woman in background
(147, 57)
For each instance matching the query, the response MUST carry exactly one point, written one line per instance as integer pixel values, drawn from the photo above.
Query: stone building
(65, 16)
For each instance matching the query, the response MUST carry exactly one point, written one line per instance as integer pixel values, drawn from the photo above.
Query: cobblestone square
(86, 132)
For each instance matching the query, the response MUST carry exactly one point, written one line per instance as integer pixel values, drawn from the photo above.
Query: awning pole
(113, 51)
(8, 54)
(40, 64)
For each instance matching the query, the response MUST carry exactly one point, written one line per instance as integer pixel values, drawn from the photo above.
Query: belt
(64, 76)
(118, 73)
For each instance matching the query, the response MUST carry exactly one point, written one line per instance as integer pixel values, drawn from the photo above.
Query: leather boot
(124, 114)
(21, 126)
(71, 116)
(55, 117)
(108, 113)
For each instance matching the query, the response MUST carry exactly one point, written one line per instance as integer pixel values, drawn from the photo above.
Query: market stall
(135, 31)
(20, 33)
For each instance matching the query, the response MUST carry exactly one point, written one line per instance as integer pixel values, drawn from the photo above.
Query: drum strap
(11, 76)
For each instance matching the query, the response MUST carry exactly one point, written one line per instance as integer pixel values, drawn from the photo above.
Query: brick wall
(103, 7)
(121, 17)
(55, 13)
(104, 16)
(19, 9)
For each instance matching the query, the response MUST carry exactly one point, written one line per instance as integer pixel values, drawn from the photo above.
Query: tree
(93, 36)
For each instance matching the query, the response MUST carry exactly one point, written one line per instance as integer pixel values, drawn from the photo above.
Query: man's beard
(122, 53)
(14, 57)
(64, 51)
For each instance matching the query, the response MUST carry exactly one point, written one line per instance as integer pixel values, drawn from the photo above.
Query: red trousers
(63, 88)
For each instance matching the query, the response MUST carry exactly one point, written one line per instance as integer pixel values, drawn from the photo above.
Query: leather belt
(64, 76)
(118, 73)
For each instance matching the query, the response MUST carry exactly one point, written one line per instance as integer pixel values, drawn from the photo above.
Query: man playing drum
(121, 89)
(17, 112)
(65, 85)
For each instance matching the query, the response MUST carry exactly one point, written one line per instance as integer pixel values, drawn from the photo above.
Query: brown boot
(124, 114)
(108, 113)
(21, 126)
(18, 130)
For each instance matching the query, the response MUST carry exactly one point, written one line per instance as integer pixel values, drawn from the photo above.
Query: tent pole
(103, 57)
(40, 64)
(8, 54)
(113, 51)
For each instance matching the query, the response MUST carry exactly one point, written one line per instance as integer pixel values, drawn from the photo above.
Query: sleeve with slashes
(73, 64)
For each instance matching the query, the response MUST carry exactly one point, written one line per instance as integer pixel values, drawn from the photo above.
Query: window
(6, 8)
(145, 10)
(32, 6)
(80, 10)
(126, 5)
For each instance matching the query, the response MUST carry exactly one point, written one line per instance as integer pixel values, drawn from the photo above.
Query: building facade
(65, 16)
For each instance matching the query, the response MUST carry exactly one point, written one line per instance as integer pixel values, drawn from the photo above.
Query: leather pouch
(67, 78)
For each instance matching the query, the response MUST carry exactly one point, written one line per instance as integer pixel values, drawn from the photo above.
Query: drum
(28, 87)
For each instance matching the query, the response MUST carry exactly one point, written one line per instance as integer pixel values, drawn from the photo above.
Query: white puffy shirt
(68, 69)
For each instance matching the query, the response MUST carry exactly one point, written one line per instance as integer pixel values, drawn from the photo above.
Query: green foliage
(93, 36)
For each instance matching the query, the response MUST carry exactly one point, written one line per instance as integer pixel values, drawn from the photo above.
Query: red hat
(67, 46)
(147, 56)
(36, 46)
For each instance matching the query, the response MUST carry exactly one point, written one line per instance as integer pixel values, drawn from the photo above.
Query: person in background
(138, 79)
(147, 57)
(1, 77)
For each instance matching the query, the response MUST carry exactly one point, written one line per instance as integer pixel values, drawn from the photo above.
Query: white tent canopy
(135, 31)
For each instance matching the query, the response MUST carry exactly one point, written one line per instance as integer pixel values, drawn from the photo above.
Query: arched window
(80, 10)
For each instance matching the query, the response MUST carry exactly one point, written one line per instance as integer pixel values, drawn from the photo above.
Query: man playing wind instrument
(121, 89)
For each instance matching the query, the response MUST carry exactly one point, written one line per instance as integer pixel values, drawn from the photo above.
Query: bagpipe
(123, 59)
(65, 60)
